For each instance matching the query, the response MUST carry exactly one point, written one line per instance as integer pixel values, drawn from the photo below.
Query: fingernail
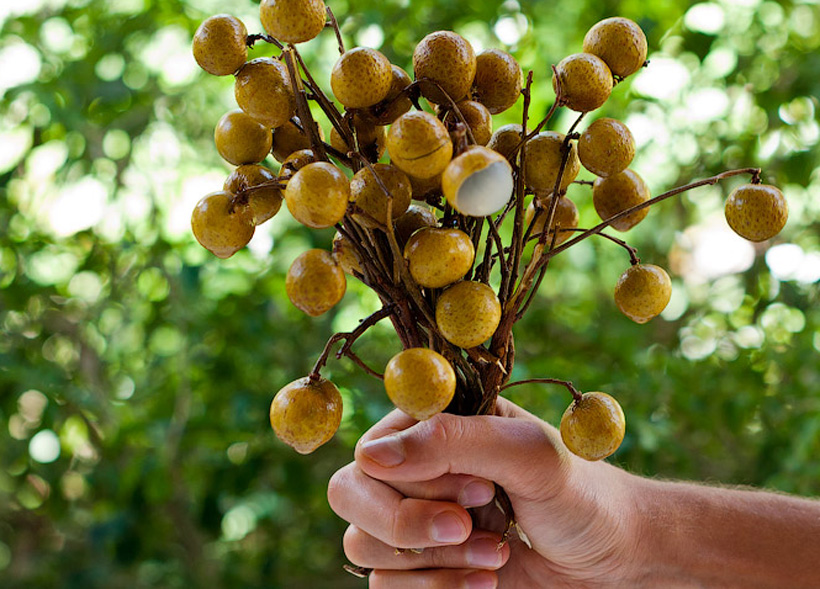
(476, 494)
(447, 527)
(386, 451)
(480, 580)
(484, 553)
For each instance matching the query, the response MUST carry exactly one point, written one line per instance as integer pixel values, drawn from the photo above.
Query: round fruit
(295, 162)
(306, 413)
(614, 194)
(756, 211)
(606, 147)
(477, 117)
(566, 217)
(392, 106)
(419, 144)
(497, 82)
(263, 202)
(369, 196)
(289, 138)
(505, 139)
(420, 382)
(447, 59)
(372, 139)
(424, 187)
(643, 291)
(345, 255)
(478, 183)
(317, 195)
(221, 227)
(315, 282)
(468, 313)
(416, 217)
(240, 139)
(585, 81)
(361, 77)
(543, 162)
(439, 256)
(620, 42)
(593, 426)
(263, 90)
(293, 21)
(220, 45)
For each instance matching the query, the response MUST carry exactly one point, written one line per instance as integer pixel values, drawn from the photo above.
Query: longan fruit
(426, 187)
(543, 162)
(295, 162)
(505, 139)
(449, 60)
(416, 217)
(437, 257)
(306, 413)
(291, 137)
(361, 77)
(566, 217)
(419, 144)
(263, 90)
(317, 195)
(220, 226)
(241, 139)
(468, 313)
(315, 282)
(497, 83)
(606, 147)
(264, 202)
(392, 106)
(477, 117)
(478, 183)
(346, 255)
(614, 194)
(643, 291)
(372, 139)
(620, 42)
(756, 212)
(420, 382)
(293, 21)
(585, 81)
(593, 426)
(220, 46)
(369, 196)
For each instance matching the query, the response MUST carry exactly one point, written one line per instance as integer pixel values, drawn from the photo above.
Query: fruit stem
(576, 394)
(334, 24)
(305, 117)
(545, 120)
(252, 39)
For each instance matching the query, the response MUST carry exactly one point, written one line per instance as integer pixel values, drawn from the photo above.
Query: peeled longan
(317, 195)
(419, 144)
(263, 90)
(593, 426)
(306, 413)
(293, 21)
(468, 313)
(643, 291)
(497, 82)
(756, 212)
(617, 193)
(585, 81)
(606, 147)
(420, 382)
(449, 60)
(241, 139)
(543, 162)
(361, 77)
(620, 42)
(315, 282)
(219, 45)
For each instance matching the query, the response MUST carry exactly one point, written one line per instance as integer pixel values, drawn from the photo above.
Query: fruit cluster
(432, 183)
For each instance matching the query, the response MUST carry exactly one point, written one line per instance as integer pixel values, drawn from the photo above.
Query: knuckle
(353, 544)
(444, 429)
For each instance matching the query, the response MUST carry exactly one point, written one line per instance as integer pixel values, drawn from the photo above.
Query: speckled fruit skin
(477, 117)
(643, 291)
(620, 42)
(241, 139)
(219, 45)
(372, 139)
(756, 212)
(368, 195)
(566, 217)
(289, 138)
(361, 77)
(467, 313)
(586, 81)
(315, 282)
(505, 139)
(543, 162)
(616, 193)
(295, 162)
(424, 187)
(420, 382)
(448, 59)
(391, 107)
(419, 144)
(416, 217)
(345, 255)
(472, 197)
(606, 147)
(219, 226)
(263, 90)
(317, 195)
(594, 426)
(293, 21)
(497, 83)
(439, 256)
(306, 413)
(264, 203)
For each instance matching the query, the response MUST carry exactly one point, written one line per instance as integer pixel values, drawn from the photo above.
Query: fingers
(480, 551)
(433, 579)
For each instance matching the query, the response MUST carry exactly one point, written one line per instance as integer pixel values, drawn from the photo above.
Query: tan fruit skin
(586, 81)
(315, 282)
(620, 42)
(317, 195)
(305, 414)
(465, 165)
(240, 139)
(368, 195)
(372, 139)
(606, 147)
(289, 138)
(468, 313)
(219, 45)
(756, 212)
(420, 382)
(219, 226)
(264, 203)
(477, 117)
(263, 90)
(439, 256)
(505, 139)
(448, 59)
(543, 162)
(345, 255)
(566, 217)
(593, 427)
(424, 187)
(295, 162)
(391, 107)
(293, 21)
(361, 77)
(416, 217)
(497, 82)
(419, 145)
(643, 291)
(614, 194)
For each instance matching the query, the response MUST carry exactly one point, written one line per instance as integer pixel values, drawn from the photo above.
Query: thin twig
(332, 22)
(305, 117)
(576, 394)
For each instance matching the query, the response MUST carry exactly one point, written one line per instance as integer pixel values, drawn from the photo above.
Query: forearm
(698, 536)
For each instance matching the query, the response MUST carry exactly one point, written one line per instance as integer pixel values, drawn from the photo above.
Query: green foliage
(136, 370)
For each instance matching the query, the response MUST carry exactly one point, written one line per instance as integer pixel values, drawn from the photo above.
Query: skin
(590, 523)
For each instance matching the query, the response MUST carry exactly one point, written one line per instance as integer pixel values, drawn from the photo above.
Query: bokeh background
(136, 369)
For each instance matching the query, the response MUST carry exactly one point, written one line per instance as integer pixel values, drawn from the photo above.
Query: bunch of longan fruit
(427, 173)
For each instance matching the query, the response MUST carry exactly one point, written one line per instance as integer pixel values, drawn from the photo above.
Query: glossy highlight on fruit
(566, 217)
(585, 81)
(241, 139)
(420, 382)
(620, 42)
(437, 257)
(543, 162)
(617, 193)
(315, 282)
(317, 195)
(505, 139)
(477, 117)
(478, 183)
(606, 147)
(220, 226)
(289, 138)
(293, 21)
(361, 77)
(306, 413)
(263, 202)
(263, 90)
(643, 291)
(468, 313)
(497, 83)
(219, 45)
(370, 197)
(756, 212)
(593, 426)
(394, 104)
(448, 59)
(419, 144)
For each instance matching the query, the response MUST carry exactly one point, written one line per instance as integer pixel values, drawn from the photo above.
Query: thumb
(516, 452)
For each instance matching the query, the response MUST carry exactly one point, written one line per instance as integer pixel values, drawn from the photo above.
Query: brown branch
(576, 394)
(332, 22)
(305, 117)
(544, 121)
(252, 39)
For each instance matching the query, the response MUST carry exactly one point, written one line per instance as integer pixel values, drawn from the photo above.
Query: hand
(411, 482)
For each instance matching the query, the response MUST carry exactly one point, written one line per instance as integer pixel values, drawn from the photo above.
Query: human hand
(411, 483)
